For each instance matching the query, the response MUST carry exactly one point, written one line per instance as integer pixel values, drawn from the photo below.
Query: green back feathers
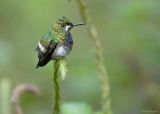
(56, 33)
(46, 39)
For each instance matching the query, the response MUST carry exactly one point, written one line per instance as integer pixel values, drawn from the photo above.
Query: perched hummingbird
(57, 43)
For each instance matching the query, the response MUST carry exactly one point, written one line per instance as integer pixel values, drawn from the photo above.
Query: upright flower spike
(98, 53)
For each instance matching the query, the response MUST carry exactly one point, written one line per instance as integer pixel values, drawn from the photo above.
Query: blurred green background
(129, 32)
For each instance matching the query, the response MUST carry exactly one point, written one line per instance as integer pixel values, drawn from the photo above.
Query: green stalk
(60, 70)
(98, 53)
(56, 108)
(5, 88)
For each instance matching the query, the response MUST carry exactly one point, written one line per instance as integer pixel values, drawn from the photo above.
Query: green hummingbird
(56, 43)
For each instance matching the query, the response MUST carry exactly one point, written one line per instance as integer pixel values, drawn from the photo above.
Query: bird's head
(65, 24)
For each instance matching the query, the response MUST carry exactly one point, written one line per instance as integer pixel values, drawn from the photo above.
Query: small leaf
(76, 108)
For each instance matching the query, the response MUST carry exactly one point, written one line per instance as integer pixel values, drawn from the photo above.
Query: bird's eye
(70, 24)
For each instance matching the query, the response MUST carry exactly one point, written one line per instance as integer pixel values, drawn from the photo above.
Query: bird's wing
(44, 57)
(46, 47)
(46, 39)
(43, 44)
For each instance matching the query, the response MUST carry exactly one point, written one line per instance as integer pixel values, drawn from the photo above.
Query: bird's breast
(60, 51)
(63, 49)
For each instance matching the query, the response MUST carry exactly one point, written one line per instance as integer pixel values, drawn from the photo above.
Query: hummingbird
(56, 43)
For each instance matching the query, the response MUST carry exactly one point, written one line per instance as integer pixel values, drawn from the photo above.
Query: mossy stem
(103, 75)
(56, 108)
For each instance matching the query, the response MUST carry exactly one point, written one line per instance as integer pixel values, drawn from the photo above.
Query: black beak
(78, 24)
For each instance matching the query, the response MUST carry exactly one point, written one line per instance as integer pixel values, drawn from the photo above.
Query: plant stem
(5, 106)
(17, 93)
(103, 76)
(56, 108)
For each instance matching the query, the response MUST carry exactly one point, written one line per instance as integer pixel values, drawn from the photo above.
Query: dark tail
(46, 57)
(37, 66)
